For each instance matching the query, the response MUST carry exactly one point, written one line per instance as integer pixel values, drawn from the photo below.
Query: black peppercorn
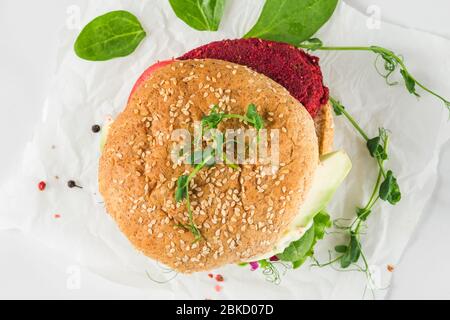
(96, 128)
(72, 184)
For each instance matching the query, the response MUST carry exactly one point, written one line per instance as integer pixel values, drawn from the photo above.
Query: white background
(29, 35)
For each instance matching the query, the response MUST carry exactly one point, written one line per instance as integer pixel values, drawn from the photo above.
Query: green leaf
(263, 263)
(337, 107)
(373, 145)
(410, 83)
(390, 190)
(212, 120)
(114, 34)
(352, 253)
(363, 213)
(253, 116)
(297, 250)
(297, 264)
(341, 249)
(291, 21)
(202, 15)
(322, 221)
(194, 230)
(376, 146)
(300, 250)
(182, 190)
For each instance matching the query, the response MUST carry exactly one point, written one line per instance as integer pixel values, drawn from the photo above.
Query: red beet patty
(291, 67)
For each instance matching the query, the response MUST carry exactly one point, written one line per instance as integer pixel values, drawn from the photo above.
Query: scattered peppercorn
(96, 128)
(274, 258)
(390, 268)
(42, 185)
(57, 216)
(72, 184)
(219, 278)
(210, 275)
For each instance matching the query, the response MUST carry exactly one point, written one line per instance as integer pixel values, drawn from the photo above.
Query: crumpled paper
(86, 93)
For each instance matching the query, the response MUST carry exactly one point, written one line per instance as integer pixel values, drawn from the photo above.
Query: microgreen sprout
(378, 149)
(386, 188)
(251, 117)
(392, 62)
(211, 121)
(273, 269)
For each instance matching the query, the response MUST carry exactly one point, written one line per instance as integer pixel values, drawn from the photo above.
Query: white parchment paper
(85, 93)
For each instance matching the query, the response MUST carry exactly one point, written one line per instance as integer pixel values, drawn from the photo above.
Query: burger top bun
(241, 213)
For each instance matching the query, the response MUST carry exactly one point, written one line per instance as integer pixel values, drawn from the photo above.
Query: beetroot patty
(293, 68)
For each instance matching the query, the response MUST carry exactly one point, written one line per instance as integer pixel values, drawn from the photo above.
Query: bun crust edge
(324, 124)
(241, 218)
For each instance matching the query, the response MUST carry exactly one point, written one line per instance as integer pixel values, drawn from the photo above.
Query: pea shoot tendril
(385, 188)
(392, 62)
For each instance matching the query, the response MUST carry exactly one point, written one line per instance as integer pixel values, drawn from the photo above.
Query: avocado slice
(333, 169)
(331, 172)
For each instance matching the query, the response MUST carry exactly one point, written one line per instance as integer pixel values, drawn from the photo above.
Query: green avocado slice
(303, 232)
(333, 169)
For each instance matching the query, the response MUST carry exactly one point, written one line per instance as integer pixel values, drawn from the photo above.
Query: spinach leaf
(202, 15)
(114, 34)
(291, 21)
(300, 250)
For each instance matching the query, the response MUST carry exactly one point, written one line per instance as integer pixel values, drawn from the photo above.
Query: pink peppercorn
(274, 258)
(254, 265)
(219, 278)
(42, 185)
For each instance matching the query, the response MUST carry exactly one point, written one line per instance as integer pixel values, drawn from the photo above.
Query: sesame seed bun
(241, 213)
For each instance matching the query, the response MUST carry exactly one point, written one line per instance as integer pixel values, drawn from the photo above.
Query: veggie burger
(234, 211)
